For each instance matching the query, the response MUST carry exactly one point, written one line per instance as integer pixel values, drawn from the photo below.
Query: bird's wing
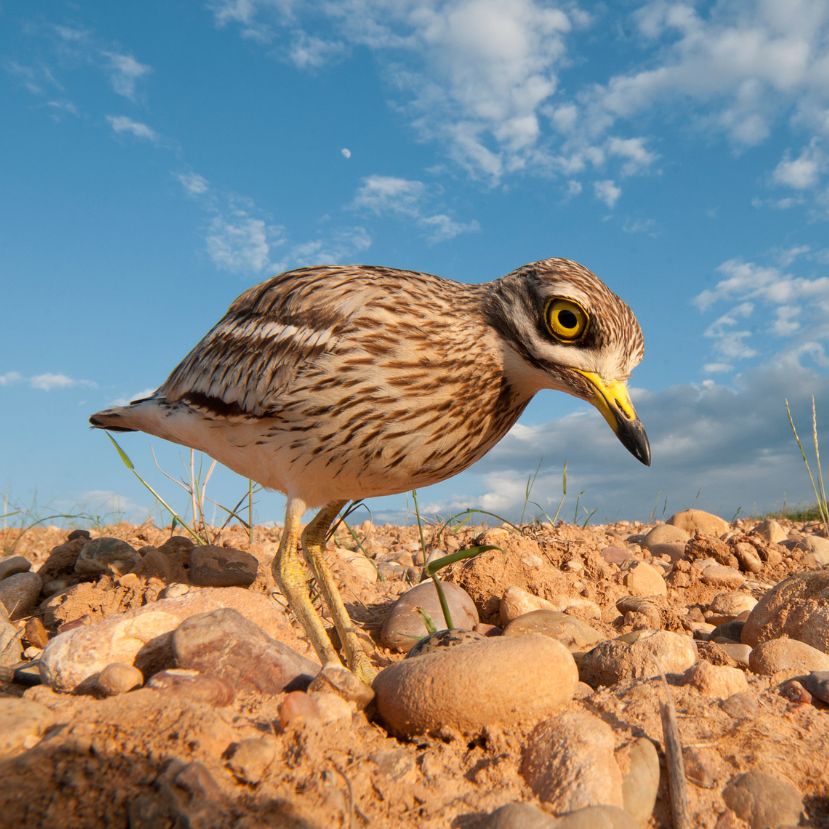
(273, 332)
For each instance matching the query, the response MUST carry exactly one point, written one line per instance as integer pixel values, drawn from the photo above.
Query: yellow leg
(291, 574)
(313, 544)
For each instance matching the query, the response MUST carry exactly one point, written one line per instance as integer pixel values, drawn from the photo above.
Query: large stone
(597, 817)
(770, 531)
(666, 539)
(499, 681)
(118, 678)
(19, 593)
(194, 686)
(573, 633)
(106, 555)
(22, 722)
(715, 681)
(519, 816)
(651, 654)
(725, 607)
(13, 564)
(225, 644)
(699, 521)
(212, 566)
(517, 602)
(405, 625)
(569, 763)
(73, 657)
(643, 579)
(797, 607)
(787, 655)
(763, 801)
(639, 762)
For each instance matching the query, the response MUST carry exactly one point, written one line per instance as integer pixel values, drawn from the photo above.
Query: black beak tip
(633, 438)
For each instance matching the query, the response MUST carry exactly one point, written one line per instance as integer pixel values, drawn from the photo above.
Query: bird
(336, 383)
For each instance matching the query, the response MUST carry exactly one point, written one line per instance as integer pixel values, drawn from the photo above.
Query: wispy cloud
(391, 195)
(193, 183)
(607, 192)
(803, 171)
(9, 377)
(124, 125)
(124, 72)
(242, 243)
(51, 381)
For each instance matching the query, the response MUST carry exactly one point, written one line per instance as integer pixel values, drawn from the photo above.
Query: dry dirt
(147, 759)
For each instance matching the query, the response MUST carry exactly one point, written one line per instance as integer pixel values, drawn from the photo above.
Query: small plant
(196, 488)
(818, 486)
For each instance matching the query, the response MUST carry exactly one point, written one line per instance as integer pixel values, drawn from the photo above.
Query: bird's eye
(566, 320)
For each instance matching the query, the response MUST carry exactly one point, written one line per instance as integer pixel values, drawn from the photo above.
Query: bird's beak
(611, 398)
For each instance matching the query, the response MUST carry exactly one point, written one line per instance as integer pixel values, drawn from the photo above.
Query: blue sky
(156, 160)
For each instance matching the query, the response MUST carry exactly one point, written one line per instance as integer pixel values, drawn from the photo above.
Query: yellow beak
(612, 399)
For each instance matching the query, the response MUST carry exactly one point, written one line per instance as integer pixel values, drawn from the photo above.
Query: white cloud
(122, 124)
(338, 248)
(803, 172)
(9, 377)
(607, 192)
(125, 72)
(646, 227)
(637, 157)
(51, 381)
(311, 52)
(390, 195)
(242, 243)
(193, 183)
(345, 152)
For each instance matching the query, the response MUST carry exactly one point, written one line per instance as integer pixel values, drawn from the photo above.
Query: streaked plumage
(343, 382)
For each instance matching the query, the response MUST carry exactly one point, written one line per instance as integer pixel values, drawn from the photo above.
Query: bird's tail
(121, 418)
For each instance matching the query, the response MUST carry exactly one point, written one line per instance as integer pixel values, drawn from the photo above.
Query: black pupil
(567, 319)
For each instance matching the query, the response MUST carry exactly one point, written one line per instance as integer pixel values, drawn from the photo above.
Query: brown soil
(148, 758)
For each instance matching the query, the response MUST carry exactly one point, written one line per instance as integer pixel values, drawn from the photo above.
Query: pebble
(194, 686)
(35, 633)
(360, 566)
(75, 655)
(795, 692)
(703, 766)
(717, 681)
(519, 816)
(154, 565)
(577, 605)
(174, 591)
(699, 521)
(251, 758)
(651, 653)
(616, 555)
(763, 801)
(643, 579)
(336, 679)
(573, 633)
(19, 594)
(395, 763)
(771, 531)
(499, 681)
(517, 602)
(569, 763)
(725, 607)
(225, 644)
(118, 678)
(666, 540)
(818, 547)
(747, 557)
(742, 706)
(740, 653)
(106, 555)
(795, 607)
(404, 625)
(443, 639)
(776, 655)
(639, 762)
(11, 648)
(13, 564)
(22, 722)
(732, 630)
(817, 683)
(297, 708)
(212, 566)
(720, 575)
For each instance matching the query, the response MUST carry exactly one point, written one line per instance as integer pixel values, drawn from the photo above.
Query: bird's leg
(291, 574)
(313, 544)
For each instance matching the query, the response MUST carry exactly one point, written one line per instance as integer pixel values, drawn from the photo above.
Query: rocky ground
(150, 683)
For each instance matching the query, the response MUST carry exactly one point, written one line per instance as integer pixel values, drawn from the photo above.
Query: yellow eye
(566, 320)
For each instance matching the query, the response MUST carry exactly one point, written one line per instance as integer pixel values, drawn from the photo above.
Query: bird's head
(562, 328)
